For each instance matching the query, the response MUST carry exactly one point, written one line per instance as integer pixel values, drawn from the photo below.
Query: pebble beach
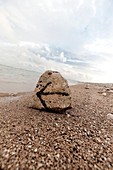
(80, 139)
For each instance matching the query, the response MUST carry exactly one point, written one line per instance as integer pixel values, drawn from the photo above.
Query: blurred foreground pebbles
(52, 93)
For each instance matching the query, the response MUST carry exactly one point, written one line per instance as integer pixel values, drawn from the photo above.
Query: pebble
(87, 86)
(39, 165)
(110, 116)
(104, 94)
(35, 150)
(58, 141)
(29, 146)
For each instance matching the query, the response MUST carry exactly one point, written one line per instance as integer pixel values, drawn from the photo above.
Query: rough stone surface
(52, 92)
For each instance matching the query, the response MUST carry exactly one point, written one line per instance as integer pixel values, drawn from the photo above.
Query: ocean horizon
(18, 80)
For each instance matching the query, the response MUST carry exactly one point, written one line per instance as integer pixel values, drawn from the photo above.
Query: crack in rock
(41, 92)
(51, 93)
(38, 94)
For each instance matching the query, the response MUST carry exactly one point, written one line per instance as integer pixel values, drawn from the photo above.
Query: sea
(17, 80)
(13, 80)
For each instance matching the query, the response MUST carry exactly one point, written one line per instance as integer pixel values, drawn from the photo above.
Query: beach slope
(80, 139)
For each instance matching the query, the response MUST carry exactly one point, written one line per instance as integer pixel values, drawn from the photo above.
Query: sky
(82, 27)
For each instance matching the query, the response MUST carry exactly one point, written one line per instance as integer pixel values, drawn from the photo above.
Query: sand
(80, 139)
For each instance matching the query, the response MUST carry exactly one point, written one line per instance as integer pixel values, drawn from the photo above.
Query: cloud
(102, 46)
(26, 56)
(56, 22)
(94, 6)
(62, 57)
(5, 28)
(80, 26)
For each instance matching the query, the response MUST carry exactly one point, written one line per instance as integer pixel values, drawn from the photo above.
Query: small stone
(58, 155)
(56, 124)
(13, 153)
(68, 128)
(39, 165)
(68, 115)
(104, 94)
(87, 86)
(35, 150)
(110, 116)
(110, 91)
(98, 140)
(29, 146)
(52, 93)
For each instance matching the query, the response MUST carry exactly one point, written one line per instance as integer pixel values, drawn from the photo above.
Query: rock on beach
(52, 92)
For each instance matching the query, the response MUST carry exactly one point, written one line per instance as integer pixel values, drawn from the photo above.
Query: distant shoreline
(15, 87)
(10, 88)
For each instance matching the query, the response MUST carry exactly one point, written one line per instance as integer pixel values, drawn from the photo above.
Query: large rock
(52, 93)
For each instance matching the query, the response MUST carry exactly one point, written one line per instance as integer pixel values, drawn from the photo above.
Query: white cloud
(83, 27)
(62, 57)
(5, 27)
(80, 4)
(94, 6)
(102, 46)
(48, 21)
